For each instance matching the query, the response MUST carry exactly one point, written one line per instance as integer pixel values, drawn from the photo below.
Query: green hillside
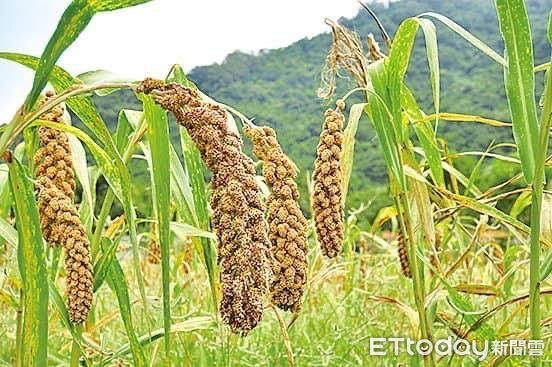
(278, 88)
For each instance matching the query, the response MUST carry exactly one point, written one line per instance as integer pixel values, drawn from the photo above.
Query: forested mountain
(278, 87)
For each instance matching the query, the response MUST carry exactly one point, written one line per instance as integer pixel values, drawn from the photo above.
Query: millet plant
(253, 248)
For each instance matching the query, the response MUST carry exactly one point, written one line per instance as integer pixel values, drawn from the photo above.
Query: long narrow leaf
(117, 282)
(349, 135)
(73, 21)
(425, 136)
(7, 232)
(462, 32)
(32, 267)
(432, 52)
(397, 64)
(194, 169)
(159, 142)
(520, 80)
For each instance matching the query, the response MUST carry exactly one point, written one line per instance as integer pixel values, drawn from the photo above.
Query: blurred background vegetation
(278, 88)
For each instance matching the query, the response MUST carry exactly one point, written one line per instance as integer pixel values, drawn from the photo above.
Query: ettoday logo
(454, 346)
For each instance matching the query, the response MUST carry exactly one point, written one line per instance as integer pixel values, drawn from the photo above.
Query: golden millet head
(238, 211)
(67, 229)
(403, 256)
(54, 168)
(154, 251)
(327, 195)
(287, 225)
(59, 219)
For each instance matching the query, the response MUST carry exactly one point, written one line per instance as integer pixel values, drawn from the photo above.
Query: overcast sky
(146, 40)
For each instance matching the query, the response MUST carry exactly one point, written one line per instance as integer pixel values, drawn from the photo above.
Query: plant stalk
(75, 349)
(18, 331)
(417, 271)
(22, 118)
(536, 207)
(285, 336)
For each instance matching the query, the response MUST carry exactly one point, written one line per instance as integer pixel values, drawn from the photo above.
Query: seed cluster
(403, 256)
(327, 196)
(238, 211)
(287, 225)
(59, 219)
(154, 249)
(154, 252)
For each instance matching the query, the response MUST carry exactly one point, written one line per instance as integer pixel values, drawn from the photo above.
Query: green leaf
(32, 267)
(469, 316)
(192, 324)
(80, 165)
(118, 284)
(195, 171)
(181, 190)
(184, 231)
(349, 144)
(5, 202)
(476, 42)
(382, 119)
(102, 76)
(82, 106)
(108, 5)
(159, 142)
(73, 21)
(546, 267)
(396, 66)
(433, 61)
(7, 232)
(425, 136)
(491, 211)
(549, 33)
(519, 80)
(102, 266)
(522, 202)
(58, 302)
(125, 122)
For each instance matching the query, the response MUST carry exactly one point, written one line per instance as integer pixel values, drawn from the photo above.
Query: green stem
(10, 127)
(23, 118)
(416, 266)
(75, 349)
(100, 223)
(18, 335)
(285, 337)
(536, 207)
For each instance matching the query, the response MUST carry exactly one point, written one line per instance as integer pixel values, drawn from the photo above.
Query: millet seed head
(287, 225)
(327, 193)
(154, 250)
(238, 219)
(403, 256)
(59, 219)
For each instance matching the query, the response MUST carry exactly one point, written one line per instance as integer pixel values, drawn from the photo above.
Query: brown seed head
(403, 256)
(327, 196)
(287, 225)
(238, 219)
(154, 250)
(59, 219)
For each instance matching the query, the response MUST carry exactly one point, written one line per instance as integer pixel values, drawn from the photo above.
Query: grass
(332, 330)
